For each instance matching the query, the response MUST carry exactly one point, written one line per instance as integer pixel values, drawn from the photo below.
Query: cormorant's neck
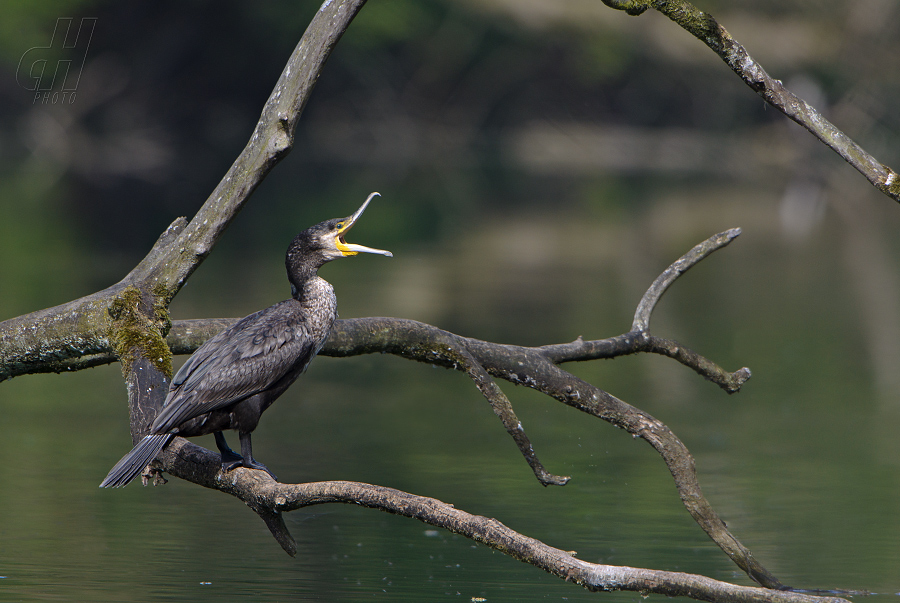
(299, 276)
(302, 265)
(309, 288)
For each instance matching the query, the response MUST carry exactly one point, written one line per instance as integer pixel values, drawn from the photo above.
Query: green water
(801, 464)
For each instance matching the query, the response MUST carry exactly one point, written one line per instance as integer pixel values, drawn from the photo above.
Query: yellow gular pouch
(340, 242)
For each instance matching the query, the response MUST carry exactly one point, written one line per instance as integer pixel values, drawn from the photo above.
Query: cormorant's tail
(134, 462)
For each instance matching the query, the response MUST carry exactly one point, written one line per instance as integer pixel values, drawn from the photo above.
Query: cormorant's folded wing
(245, 359)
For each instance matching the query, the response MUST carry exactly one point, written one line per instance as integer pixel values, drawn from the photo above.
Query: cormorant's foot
(240, 462)
(254, 464)
(230, 459)
(232, 463)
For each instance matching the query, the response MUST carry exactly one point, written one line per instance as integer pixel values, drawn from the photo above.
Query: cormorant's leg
(230, 458)
(247, 452)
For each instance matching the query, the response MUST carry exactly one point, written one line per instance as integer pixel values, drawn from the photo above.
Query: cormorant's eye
(339, 225)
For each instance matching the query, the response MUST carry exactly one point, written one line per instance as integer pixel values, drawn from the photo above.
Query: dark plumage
(231, 379)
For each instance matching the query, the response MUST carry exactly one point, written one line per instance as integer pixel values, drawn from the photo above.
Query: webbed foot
(232, 460)
(234, 463)
(254, 464)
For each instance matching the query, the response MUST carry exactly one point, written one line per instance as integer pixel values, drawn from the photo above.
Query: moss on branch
(135, 331)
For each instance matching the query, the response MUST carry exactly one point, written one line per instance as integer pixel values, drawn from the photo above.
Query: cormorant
(231, 379)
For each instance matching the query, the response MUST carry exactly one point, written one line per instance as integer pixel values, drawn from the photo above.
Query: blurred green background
(540, 161)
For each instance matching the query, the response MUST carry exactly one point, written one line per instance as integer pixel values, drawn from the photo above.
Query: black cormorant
(231, 379)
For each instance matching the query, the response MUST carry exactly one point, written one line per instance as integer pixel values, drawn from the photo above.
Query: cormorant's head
(325, 242)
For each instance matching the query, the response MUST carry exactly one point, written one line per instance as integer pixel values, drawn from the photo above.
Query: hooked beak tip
(363, 207)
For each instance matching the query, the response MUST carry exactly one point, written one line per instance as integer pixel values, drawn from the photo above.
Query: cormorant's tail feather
(134, 462)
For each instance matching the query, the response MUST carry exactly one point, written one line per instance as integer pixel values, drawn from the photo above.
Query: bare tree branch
(563, 564)
(503, 409)
(270, 498)
(664, 281)
(534, 367)
(705, 28)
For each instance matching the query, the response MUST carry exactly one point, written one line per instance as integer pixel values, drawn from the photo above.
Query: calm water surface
(801, 465)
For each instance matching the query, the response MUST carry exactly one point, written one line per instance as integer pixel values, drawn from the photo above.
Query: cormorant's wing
(245, 359)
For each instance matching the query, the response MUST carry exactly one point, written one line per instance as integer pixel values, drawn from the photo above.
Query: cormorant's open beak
(348, 249)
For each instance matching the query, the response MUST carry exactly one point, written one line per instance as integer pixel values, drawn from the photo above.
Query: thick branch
(537, 368)
(704, 27)
(534, 367)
